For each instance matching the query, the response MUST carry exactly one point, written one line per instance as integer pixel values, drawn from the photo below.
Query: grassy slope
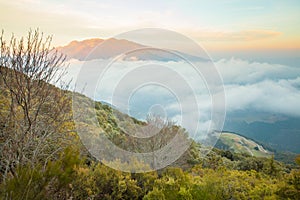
(240, 144)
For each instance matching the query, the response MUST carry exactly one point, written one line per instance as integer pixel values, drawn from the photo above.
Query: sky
(225, 28)
(255, 46)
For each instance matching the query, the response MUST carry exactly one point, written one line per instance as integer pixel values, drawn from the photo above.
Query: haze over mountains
(97, 48)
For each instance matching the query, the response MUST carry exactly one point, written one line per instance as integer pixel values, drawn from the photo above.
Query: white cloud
(278, 97)
(243, 72)
(262, 87)
(259, 87)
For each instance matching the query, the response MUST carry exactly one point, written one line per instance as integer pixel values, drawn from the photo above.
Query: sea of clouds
(259, 87)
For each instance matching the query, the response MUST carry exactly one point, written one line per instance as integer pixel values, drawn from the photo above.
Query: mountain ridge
(97, 48)
(280, 135)
(82, 49)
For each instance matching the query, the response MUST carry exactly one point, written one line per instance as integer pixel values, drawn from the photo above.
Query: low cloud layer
(259, 87)
(239, 71)
(276, 97)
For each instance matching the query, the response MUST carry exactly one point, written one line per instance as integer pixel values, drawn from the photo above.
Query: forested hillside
(42, 157)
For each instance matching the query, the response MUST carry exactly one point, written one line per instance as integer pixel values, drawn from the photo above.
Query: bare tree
(35, 115)
(158, 133)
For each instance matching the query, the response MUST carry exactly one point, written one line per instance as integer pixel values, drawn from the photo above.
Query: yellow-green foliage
(43, 182)
(213, 184)
(98, 181)
(70, 177)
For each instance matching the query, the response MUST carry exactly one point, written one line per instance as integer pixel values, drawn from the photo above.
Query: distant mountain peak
(88, 42)
(89, 49)
(111, 48)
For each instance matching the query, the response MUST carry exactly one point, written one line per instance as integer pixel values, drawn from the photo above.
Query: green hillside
(240, 144)
(42, 156)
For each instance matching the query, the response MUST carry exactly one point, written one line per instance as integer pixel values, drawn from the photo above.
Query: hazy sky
(219, 25)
